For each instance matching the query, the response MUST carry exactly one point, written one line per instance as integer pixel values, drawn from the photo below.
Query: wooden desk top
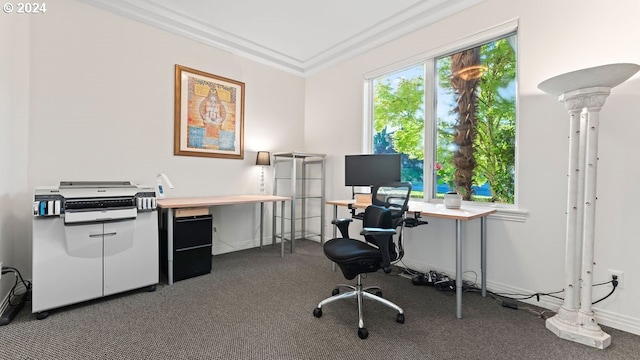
(429, 209)
(189, 202)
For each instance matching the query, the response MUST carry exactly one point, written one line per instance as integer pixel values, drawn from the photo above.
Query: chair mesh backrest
(389, 201)
(392, 195)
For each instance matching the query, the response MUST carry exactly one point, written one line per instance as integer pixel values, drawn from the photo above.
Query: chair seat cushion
(353, 256)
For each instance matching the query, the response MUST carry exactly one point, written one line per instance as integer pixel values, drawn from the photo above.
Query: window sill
(509, 214)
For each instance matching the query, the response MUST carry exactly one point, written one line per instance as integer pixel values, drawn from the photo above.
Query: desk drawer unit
(191, 246)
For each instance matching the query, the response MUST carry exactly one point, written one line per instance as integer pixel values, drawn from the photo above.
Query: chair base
(359, 293)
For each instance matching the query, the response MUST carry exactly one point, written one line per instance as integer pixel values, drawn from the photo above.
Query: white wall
(99, 93)
(554, 37)
(14, 85)
(103, 97)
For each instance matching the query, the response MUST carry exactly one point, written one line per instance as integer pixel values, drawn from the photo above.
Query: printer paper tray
(99, 215)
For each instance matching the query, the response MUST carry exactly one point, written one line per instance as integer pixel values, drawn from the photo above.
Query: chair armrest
(377, 231)
(343, 226)
(341, 221)
(383, 241)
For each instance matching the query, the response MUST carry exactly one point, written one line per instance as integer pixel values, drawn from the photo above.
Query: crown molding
(396, 25)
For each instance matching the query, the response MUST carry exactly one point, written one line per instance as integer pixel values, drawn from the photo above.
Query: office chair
(389, 204)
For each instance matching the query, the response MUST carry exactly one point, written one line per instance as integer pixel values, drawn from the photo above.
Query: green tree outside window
(474, 121)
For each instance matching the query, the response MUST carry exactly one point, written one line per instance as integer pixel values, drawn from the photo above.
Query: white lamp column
(583, 92)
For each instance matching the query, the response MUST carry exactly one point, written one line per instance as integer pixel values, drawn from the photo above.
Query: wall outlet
(620, 276)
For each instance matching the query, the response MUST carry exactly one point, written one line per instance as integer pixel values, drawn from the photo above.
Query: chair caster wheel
(151, 288)
(363, 333)
(335, 292)
(42, 315)
(400, 318)
(317, 312)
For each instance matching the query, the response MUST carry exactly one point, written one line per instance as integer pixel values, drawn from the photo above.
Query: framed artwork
(209, 115)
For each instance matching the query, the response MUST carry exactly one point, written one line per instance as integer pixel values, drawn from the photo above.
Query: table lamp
(159, 187)
(263, 159)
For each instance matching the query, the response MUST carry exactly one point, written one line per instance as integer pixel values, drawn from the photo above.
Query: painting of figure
(209, 115)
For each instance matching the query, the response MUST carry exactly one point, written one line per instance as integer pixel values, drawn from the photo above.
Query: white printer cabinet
(75, 262)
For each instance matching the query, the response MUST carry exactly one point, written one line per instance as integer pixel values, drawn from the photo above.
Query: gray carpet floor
(255, 305)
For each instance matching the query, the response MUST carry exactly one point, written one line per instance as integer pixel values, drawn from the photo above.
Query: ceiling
(298, 36)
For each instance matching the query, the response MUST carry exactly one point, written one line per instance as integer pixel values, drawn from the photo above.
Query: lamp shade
(263, 158)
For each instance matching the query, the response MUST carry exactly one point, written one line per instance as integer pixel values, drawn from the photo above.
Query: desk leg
(273, 224)
(261, 222)
(282, 230)
(458, 269)
(170, 246)
(335, 232)
(335, 216)
(483, 254)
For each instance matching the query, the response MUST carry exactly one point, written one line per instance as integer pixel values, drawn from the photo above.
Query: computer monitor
(371, 169)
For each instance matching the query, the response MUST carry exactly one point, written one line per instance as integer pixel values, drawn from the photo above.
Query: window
(457, 111)
(398, 121)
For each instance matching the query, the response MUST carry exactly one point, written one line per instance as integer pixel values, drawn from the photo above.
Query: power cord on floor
(15, 300)
(516, 296)
(513, 304)
(443, 282)
(439, 280)
(18, 281)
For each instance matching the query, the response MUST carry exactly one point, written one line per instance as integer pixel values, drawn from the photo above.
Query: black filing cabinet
(191, 247)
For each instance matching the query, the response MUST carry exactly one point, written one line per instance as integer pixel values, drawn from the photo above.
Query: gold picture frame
(209, 115)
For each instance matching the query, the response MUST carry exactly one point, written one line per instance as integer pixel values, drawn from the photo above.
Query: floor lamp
(263, 159)
(583, 93)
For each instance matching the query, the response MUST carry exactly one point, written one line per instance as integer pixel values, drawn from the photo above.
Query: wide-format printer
(92, 239)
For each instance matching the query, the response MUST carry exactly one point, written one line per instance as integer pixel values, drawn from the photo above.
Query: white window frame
(505, 211)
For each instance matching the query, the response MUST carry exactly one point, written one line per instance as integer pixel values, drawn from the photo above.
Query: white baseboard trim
(223, 248)
(617, 321)
(220, 248)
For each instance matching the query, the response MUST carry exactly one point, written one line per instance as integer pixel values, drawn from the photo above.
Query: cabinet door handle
(193, 247)
(95, 235)
(111, 233)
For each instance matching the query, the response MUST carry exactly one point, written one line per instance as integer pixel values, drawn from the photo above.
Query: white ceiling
(299, 36)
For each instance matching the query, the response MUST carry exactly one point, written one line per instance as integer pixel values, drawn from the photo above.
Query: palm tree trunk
(465, 127)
